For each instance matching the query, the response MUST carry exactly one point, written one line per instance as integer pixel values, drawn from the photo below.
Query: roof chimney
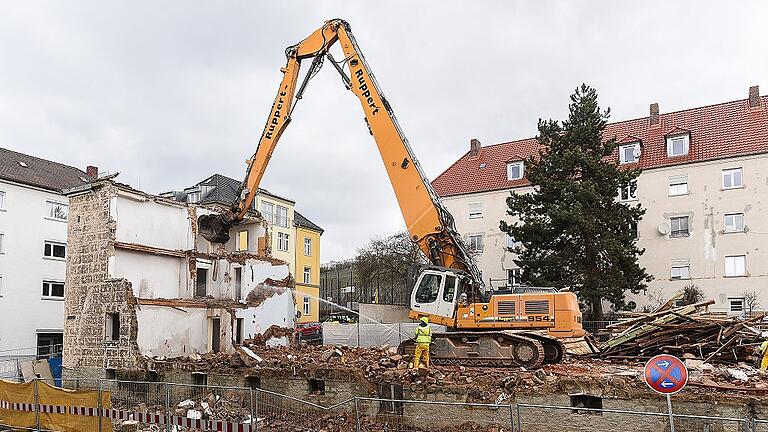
(92, 171)
(754, 97)
(654, 115)
(474, 147)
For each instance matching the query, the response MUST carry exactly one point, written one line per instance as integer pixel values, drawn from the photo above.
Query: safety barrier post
(253, 425)
(357, 415)
(37, 406)
(167, 408)
(511, 417)
(519, 420)
(99, 406)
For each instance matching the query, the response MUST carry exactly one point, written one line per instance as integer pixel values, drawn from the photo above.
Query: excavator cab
(436, 292)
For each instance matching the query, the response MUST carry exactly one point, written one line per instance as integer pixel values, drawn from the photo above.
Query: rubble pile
(687, 332)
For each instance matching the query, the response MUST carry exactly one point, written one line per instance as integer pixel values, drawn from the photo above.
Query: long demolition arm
(429, 224)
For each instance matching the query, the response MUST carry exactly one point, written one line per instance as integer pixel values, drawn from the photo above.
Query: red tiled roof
(717, 131)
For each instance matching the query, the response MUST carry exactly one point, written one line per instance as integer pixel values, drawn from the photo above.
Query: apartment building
(33, 250)
(308, 265)
(704, 186)
(290, 237)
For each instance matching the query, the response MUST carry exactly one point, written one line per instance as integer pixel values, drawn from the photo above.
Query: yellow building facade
(307, 264)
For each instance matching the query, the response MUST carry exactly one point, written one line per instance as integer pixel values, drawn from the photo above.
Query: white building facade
(704, 186)
(33, 250)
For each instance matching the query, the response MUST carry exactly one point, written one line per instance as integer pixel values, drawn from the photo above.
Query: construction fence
(100, 405)
(369, 335)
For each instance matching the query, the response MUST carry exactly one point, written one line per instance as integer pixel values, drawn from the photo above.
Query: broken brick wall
(91, 294)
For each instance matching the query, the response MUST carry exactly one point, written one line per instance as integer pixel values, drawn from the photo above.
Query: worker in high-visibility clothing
(423, 339)
(764, 355)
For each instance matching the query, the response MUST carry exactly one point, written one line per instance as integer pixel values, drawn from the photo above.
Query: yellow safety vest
(423, 335)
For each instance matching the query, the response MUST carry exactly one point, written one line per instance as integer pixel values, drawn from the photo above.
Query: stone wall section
(90, 294)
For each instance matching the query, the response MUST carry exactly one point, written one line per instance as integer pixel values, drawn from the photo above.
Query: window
(681, 271)
(628, 192)
(678, 185)
(513, 277)
(112, 326)
(201, 283)
(634, 229)
(627, 153)
(307, 246)
(268, 211)
(253, 382)
(679, 226)
(734, 222)
(736, 305)
(242, 241)
(677, 145)
(215, 334)
(428, 288)
(199, 378)
(282, 242)
(239, 331)
(732, 178)
(475, 210)
(450, 288)
(110, 374)
(2, 243)
(193, 197)
(307, 274)
(735, 265)
(57, 211)
(515, 170)
(53, 289)
(316, 386)
(281, 218)
(512, 243)
(586, 401)
(307, 308)
(2, 200)
(54, 250)
(238, 283)
(49, 344)
(475, 242)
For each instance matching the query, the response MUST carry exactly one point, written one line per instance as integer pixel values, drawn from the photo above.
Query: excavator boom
(430, 225)
(450, 290)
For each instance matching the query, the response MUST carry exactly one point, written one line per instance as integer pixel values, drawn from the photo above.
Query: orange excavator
(492, 329)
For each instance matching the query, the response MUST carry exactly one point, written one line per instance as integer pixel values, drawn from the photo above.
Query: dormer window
(629, 153)
(193, 197)
(677, 145)
(515, 170)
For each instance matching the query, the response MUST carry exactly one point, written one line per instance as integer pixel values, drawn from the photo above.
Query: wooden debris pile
(687, 332)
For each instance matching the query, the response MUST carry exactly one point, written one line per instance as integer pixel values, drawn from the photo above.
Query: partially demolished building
(142, 284)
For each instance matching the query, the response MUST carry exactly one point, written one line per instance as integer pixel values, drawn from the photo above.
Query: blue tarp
(55, 363)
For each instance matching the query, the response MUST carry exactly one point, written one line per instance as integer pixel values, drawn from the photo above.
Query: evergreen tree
(573, 232)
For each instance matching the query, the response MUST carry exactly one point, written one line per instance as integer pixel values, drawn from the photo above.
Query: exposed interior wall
(185, 331)
(152, 276)
(277, 310)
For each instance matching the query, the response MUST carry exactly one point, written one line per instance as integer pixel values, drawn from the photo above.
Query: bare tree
(751, 301)
(387, 261)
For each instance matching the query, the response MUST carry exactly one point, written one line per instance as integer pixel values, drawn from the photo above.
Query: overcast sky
(170, 92)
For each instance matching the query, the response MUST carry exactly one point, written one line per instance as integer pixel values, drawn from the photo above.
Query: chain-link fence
(144, 406)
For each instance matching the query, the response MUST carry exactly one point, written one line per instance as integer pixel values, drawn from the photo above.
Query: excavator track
(484, 348)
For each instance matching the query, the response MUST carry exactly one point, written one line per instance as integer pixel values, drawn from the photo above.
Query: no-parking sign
(665, 374)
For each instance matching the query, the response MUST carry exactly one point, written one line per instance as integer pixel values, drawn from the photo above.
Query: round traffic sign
(665, 374)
